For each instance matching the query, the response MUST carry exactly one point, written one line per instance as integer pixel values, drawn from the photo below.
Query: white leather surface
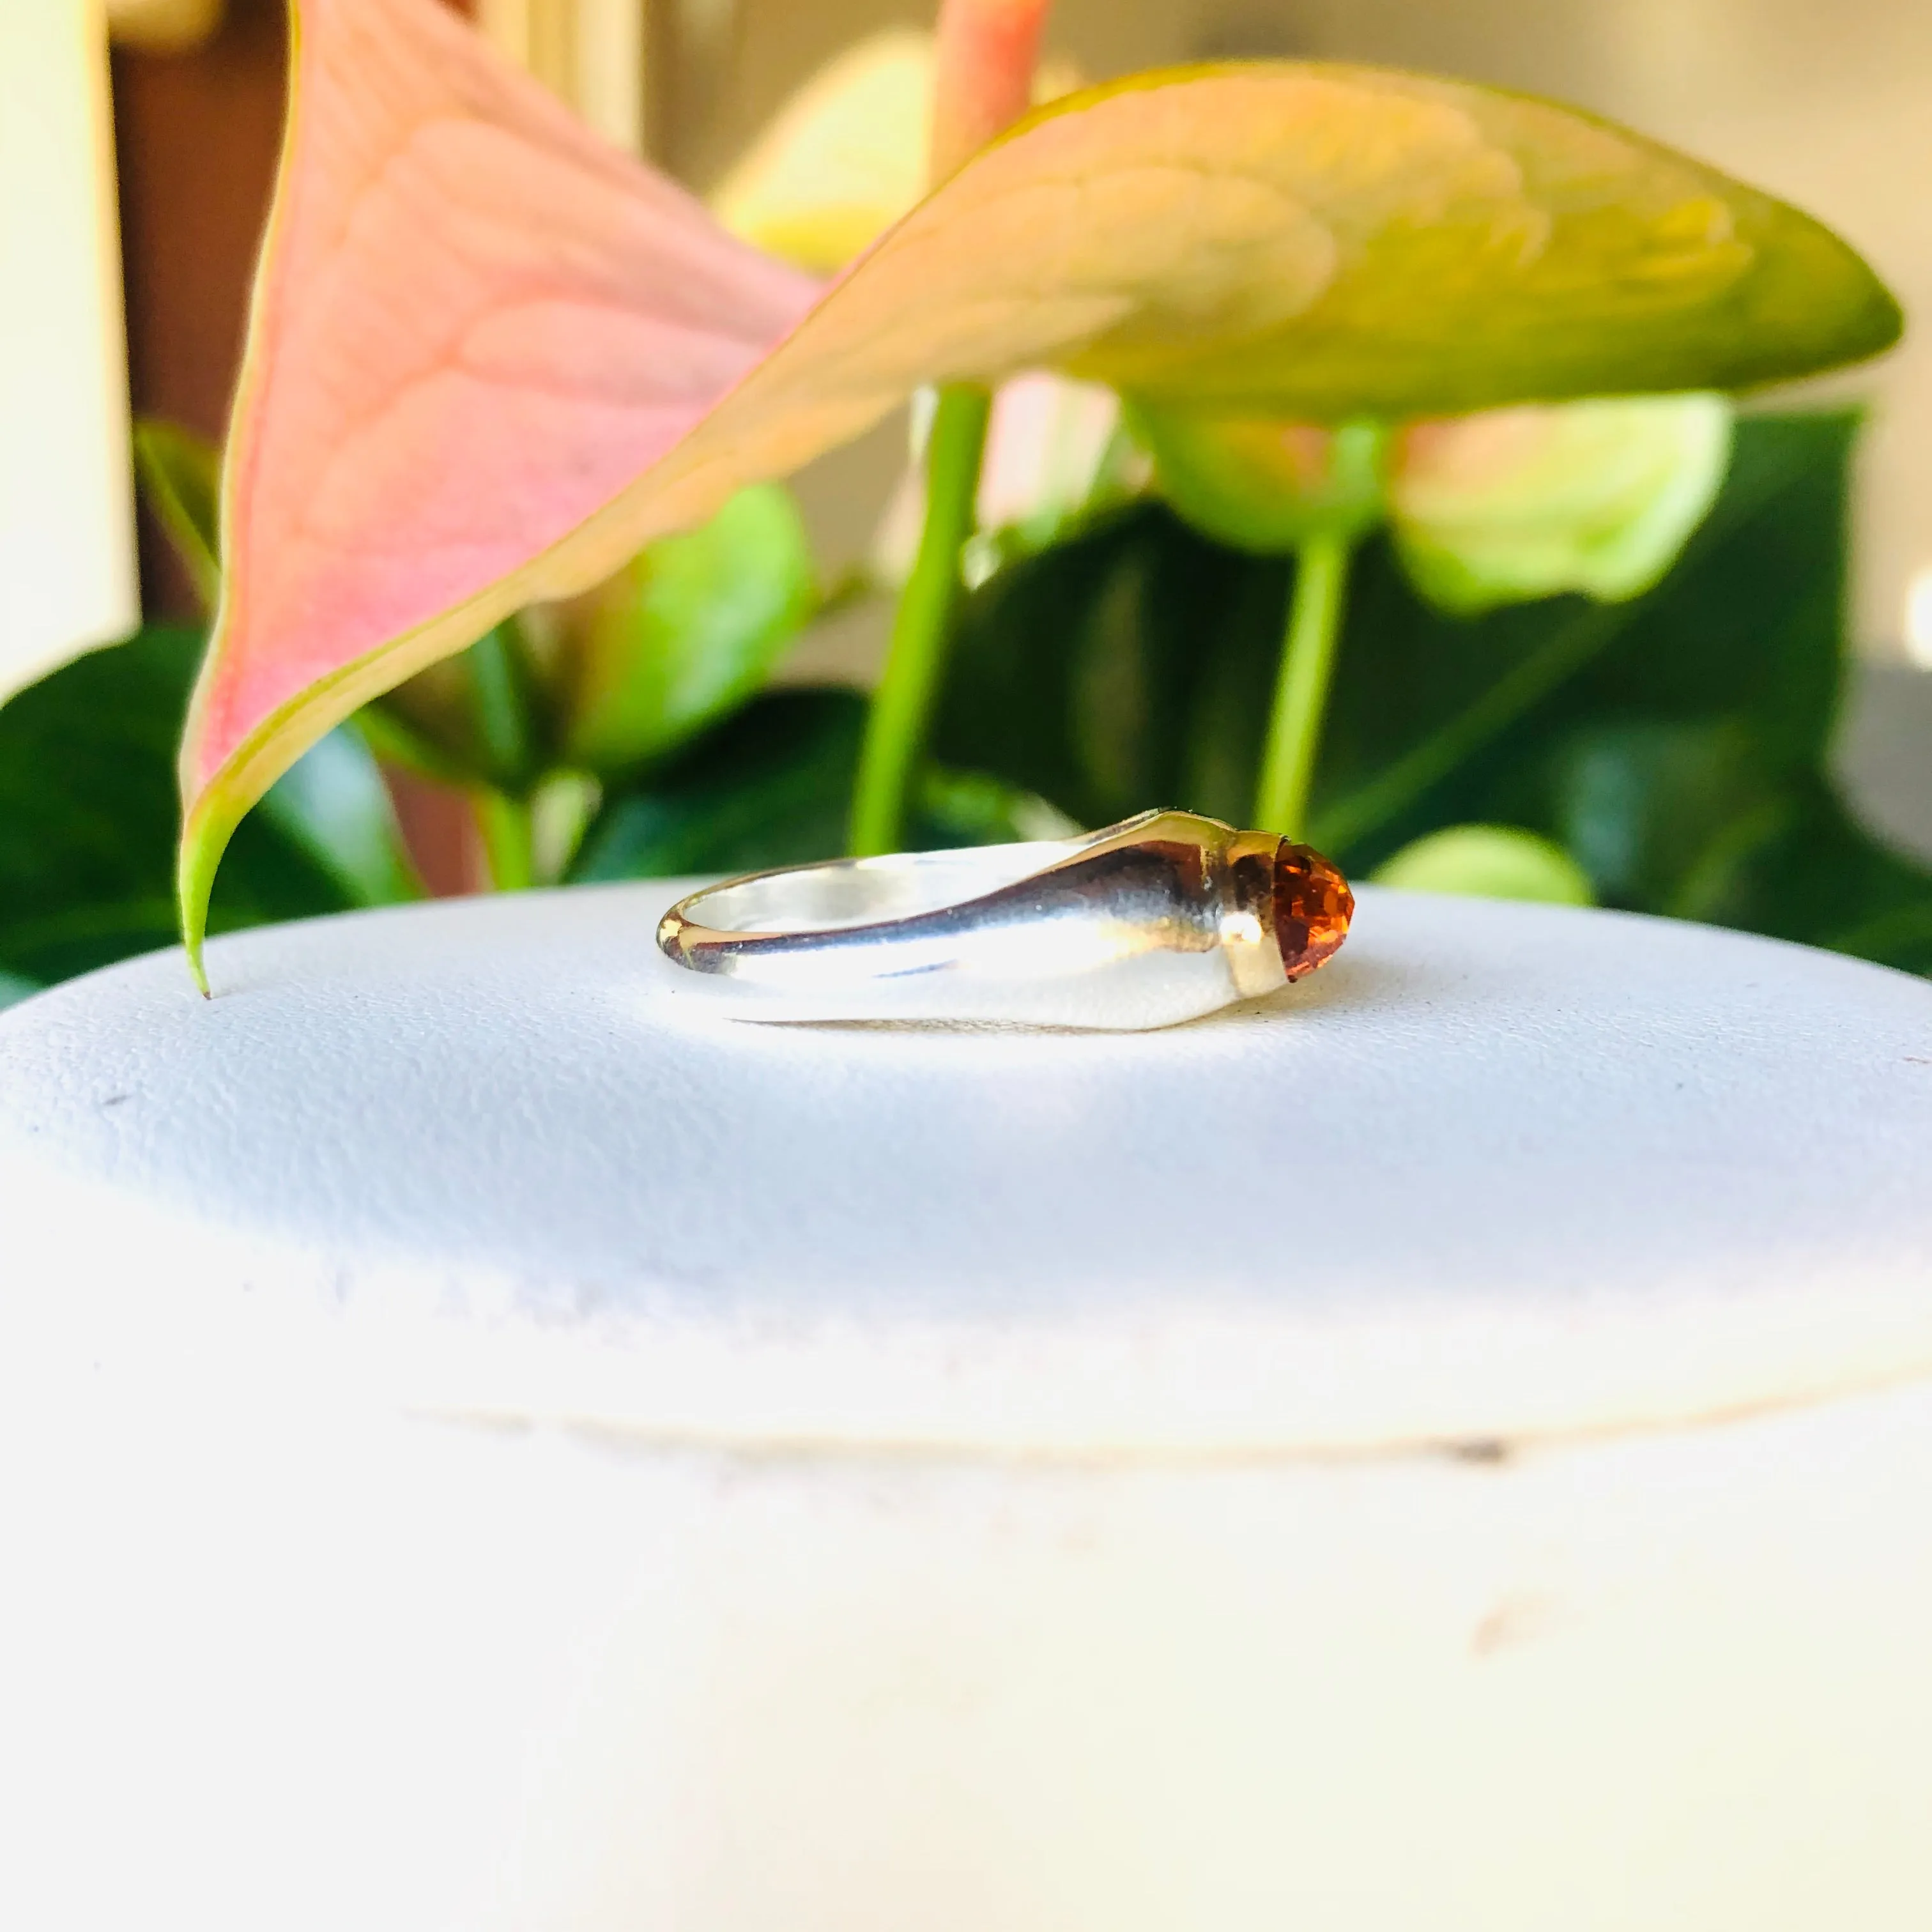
(1126, 1644)
(1499, 1170)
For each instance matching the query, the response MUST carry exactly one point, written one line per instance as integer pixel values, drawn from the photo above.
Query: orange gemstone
(1312, 908)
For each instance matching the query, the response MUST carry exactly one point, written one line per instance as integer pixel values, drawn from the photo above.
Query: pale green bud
(1598, 496)
(1488, 862)
(1260, 485)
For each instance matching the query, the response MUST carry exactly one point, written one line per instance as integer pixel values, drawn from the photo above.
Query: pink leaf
(476, 322)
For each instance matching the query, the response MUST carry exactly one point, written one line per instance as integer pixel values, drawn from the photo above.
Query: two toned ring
(1160, 919)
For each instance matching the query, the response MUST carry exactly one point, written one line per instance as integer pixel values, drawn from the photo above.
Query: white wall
(66, 554)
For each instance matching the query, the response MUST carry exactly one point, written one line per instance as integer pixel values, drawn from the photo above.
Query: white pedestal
(489, 1445)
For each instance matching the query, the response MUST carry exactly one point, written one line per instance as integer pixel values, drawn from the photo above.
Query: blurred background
(1823, 101)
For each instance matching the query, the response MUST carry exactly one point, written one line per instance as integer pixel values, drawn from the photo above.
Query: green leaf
(473, 719)
(14, 989)
(1675, 745)
(1130, 666)
(955, 808)
(1824, 880)
(331, 803)
(769, 787)
(685, 632)
(180, 474)
(89, 809)
(773, 786)
(1660, 811)
(1488, 862)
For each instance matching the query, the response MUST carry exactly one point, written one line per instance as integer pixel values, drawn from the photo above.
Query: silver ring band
(1160, 919)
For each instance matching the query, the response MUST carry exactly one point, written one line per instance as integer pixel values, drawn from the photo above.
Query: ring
(1160, 919)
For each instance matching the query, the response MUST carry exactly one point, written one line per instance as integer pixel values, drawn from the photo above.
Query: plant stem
(509, 851)
(896, 727)
(1301, 690)
(1397, 786)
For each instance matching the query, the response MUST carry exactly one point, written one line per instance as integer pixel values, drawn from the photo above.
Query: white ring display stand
(489, 1444)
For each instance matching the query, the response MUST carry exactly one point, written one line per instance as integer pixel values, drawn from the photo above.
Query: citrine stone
(1312, 908)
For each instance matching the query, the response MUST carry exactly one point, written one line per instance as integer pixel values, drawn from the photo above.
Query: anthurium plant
(1346, 451)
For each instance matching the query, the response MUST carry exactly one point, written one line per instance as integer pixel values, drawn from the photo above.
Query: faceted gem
(1312, 908)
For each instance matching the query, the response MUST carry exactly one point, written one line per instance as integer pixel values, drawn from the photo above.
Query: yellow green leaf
(842, 161)
(846, 156)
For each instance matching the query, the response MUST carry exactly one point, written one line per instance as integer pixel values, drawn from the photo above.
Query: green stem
(896, 727)
(1301, 692)
(509, 846)
(1392, 791)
